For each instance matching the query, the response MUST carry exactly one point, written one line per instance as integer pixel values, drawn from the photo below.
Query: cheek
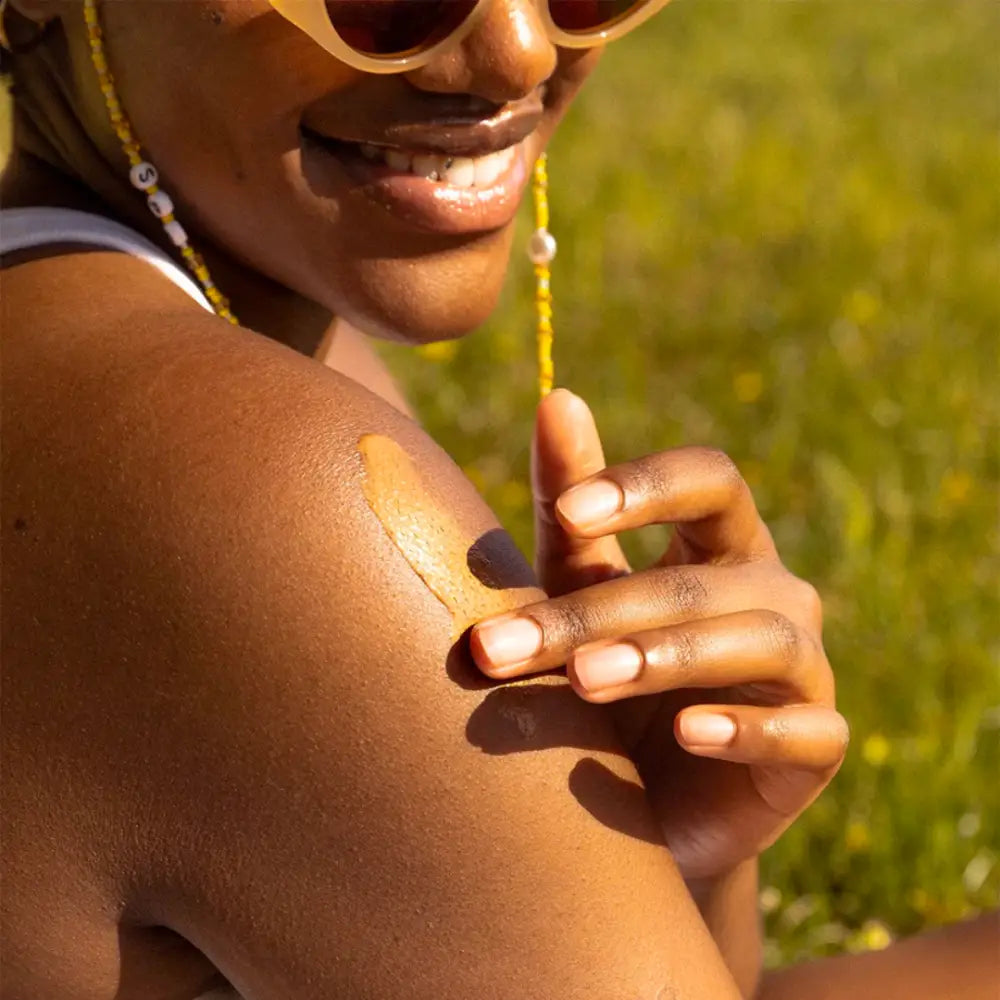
(215, 89)
(575, 66)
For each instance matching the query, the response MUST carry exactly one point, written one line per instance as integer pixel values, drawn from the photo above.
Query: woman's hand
(736, 733)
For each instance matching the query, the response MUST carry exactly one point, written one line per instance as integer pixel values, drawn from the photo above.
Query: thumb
(565, 450)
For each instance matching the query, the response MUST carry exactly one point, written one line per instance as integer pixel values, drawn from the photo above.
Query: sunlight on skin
(428, 536)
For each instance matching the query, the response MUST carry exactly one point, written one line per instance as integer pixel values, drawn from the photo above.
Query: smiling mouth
(456, 176)
(470, 172)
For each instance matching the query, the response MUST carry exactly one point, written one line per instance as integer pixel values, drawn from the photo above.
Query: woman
(245, 735)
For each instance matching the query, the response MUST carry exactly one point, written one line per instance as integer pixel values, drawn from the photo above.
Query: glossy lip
(428, 205)
(453, 125)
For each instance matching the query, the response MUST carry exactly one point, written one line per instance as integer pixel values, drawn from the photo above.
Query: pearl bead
(143, 176)
(160, 204)
(176, 233)
(542, 247)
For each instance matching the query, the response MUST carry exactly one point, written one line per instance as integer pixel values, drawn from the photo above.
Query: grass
(778, 227)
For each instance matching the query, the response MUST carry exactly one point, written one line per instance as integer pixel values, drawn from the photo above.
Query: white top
(24, 228)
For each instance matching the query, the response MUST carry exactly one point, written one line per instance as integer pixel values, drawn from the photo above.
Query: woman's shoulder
(206, 537)
(156, 456)
(112, 368)
(235, 583)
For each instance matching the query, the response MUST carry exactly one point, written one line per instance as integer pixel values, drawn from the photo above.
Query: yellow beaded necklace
(143, 175)
(145, 178)
(542, 251)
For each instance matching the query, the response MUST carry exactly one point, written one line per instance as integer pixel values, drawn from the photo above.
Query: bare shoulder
(166, 431)
(238, 699)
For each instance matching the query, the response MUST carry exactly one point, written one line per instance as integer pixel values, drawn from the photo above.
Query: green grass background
(779, 229)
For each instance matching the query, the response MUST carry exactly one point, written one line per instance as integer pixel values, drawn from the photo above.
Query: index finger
(698, 489)
(566, 450)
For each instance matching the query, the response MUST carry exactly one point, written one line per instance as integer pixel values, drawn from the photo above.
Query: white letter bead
(143, 176)
(160, 204)
(176, 233)
(542, 247)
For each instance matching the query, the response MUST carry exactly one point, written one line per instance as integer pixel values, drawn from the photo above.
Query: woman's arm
(232, 624)
(729, 906)
(961, 962)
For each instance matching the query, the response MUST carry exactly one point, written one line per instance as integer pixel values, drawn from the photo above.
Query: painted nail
(607, 666)
(510, 641)
(591, 503)
(702, 729)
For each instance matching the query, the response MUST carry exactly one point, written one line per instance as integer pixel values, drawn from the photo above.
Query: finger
(806, 737)
(566, 449)
(542, 635)
(760, 648)
(698, 489)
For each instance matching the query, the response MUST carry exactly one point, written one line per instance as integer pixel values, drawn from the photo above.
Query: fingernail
(608, 666)
(510, 641)
(702, 729)
(591, 503)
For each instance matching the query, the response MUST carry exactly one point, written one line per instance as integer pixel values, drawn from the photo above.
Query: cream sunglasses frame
(311, 17)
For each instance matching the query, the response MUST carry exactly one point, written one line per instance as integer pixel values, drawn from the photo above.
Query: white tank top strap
(26, 228)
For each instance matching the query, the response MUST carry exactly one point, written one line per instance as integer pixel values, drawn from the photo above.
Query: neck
(55, 162)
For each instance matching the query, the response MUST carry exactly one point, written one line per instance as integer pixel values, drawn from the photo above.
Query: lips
(456, 129)
(460, 172)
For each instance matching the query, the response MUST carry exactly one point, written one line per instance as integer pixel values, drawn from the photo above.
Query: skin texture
(239, 712)
(236, 584)
(427, 535)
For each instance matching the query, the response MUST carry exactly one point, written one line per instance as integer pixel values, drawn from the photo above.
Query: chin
(421, 300)
(425, 324)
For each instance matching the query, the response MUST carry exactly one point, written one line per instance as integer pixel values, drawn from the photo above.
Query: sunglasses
(394, 36)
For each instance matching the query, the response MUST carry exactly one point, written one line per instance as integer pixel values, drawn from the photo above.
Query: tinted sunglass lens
(393, 28)
(587, 16)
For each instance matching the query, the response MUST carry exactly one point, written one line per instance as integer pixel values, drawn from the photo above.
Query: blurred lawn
(779, 228)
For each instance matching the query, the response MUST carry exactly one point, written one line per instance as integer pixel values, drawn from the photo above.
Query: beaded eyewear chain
(143, 175)
(542, 251)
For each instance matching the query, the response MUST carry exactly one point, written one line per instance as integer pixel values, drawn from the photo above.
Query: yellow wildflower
(956, 484)
(857, 836)
(440, 351)
(874, 936)
(875, 749)
(748, 386)
(862, 307)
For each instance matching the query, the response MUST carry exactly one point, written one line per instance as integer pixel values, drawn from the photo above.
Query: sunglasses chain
(143, 175)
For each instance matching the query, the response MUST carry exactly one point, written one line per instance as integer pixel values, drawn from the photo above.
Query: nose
(503, 58)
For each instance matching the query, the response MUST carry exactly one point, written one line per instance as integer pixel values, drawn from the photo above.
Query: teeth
(427, 166)
(398, 160)
(489, 168)
(459, 171)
